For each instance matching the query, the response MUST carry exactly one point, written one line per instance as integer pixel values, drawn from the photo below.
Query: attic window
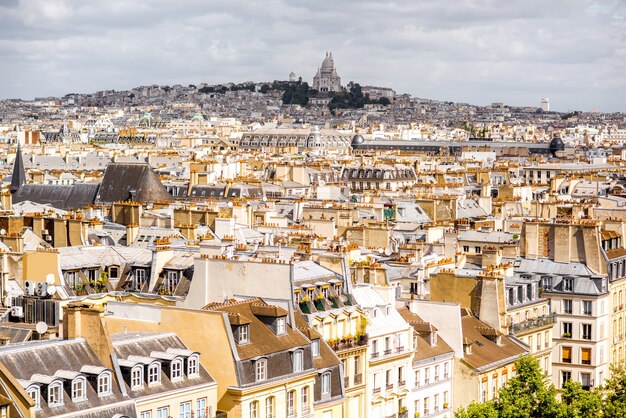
(243, 334)
(55, 395)
(154, 374)
(34, 392)
(315, 348)
(78, 389)
(176, 372)
(136, 377)
(104, 384)
(192, 365)
(280, 326)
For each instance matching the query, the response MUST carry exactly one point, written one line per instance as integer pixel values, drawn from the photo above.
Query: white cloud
(477, 51)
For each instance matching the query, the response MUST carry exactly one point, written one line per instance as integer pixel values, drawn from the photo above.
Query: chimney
(132, 233)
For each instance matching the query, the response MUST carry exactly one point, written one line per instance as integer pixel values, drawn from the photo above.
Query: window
(566, 354)
(163, 412)
(291, 403)
(483, 390)
(305, 399)
(546, 282)
(35, 394)
(565, 377)
(587, 307)
(417, 378)
(242, 334)
(426, 410)
(146, 414)
(466, 248)
(374, 348)
(113, 272)
(201, 409)
(269, 407)
(139, 279)
(357, 365)
(445, 370)
(171, 282)
(567, 330)
(177, 369)
(568, 284)
(254, 409)
(477, 250)
(585, 355)
(315, 348)
(280, 326)
(55, 394)
(192, 365)
(586, 331)
(436, 373)
(136, 377)
(326, 384)
(78, 390)
(154, 373)
(260, 370)
(503, 380)
(104, 384)
(297, 361)
(585, 380)
(426, 375)
(436, 402)
(185, 409)
(567, 306)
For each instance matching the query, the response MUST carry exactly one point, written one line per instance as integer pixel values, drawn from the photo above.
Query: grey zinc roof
(547, 266)
(131, 181)
(76, 196)
(486, 237)
(309, 270)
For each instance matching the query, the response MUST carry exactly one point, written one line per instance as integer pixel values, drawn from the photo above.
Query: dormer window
(260, 370)
(104, 384)
(280, 326)
(192, 365)
(315, 348)
(55, 394)
(79, 392)
(297, 361)
(243, 331)
(154, 373)
(35, 393)
(136, 377)
(176, 371)
(568, 284)
(326, 384)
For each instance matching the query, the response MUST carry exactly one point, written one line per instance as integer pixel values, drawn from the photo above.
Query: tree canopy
(530, 395)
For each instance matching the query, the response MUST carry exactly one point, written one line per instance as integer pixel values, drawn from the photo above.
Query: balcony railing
(348, 342)
(401, 382)
(538, 322)
(375, 354)
(346, 381)
(358, 379)
(389, 386)
(399, 349)
(376, 390)
(387, 351)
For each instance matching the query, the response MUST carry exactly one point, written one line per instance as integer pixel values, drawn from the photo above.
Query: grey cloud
(474, 51)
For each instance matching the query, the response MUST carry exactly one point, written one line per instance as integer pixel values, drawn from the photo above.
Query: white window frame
(291, 403)
(79, 389)
(325, 384)
(154, 373)
(260, 370)
(304, 399)
(163, 412)
(269, 407)
(193, 368)
(281, 326)
(145, 414)
(55, 394)
(136, 377)
(298, 361)
(201, 408)
(35, 393)
(185, 409)
(176, 369)
(104, 384)
(243, 334)
(254, 409)
(315, 348)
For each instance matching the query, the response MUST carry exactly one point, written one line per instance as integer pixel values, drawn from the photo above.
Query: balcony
(349, 342)
(531, 324)
(389, 386)
(399, 349)
(376, 390)
(358, 379)
(401, 383)
(387, 352)
(375, 355)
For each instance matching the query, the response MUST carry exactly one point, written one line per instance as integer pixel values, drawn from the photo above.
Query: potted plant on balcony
(567, 335)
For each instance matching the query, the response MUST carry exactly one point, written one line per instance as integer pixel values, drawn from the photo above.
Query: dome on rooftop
(357, 140)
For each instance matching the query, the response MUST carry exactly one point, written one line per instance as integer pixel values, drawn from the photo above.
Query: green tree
(478, 410)
(527, 394)
(581, 403)
(614, 391)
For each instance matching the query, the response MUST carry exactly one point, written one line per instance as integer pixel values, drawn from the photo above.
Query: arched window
(154, 373)
(35, 393)
(136, 377)
(79, 389)
(55, 394)
(192, 365)
(104, 384)
(269, 407)
(254, 409)
(176, 369)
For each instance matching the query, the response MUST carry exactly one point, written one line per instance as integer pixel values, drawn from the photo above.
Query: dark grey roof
(49, 357)
(15, 335)
(131, 181)
(76, 196)
(19, 175)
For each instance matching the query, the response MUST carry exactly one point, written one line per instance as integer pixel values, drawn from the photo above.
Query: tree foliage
(530, 395)
(296, 93)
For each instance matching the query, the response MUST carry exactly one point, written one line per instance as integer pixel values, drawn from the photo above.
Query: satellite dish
(50, 278)
(322, 183)
(3, 231)
(51, 289)
(41, 327)
(230, 204)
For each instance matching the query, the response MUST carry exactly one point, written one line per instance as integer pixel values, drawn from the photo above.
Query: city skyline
(571, 52)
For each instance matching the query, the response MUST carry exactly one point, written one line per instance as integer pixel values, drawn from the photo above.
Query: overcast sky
(475, 51)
